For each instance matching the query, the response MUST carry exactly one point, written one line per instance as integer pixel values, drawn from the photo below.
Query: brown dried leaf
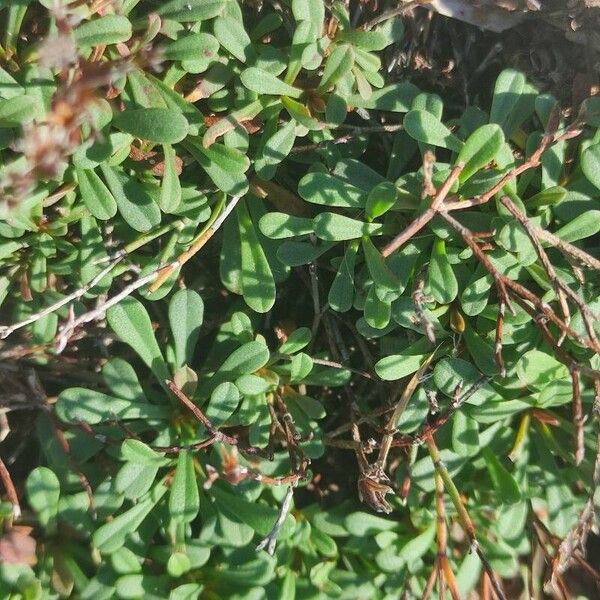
(17, 547)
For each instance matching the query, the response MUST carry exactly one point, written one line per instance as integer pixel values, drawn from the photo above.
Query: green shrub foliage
(195, 174)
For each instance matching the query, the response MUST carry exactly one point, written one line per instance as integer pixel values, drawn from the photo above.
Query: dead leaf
(17, 547)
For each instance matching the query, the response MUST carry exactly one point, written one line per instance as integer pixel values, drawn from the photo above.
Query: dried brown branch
(394, 12)
(10, 489)
(164, 272)
(442, 541)
(425, 217)
(354, 132)
(504, 284)
(216, 435)
(66, 331)
(373, 480)
(550, 138)
(463, 515)
(270, 541)
(378, 467)
(5, 331)
(561, 289)
(419, 300)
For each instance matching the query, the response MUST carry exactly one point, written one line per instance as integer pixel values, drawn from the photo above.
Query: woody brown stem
(9, 487)
(463, 515)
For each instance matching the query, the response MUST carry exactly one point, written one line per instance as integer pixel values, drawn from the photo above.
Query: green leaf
(134, 586)
(381, 199)
(465, 435)
(300, 113)
(368, 40)
(333, 227)
(184, 502)
(223, 402)
(504, 483)
(481, 148)
(120, 377)
(110, 29)
(377, 312)
(112, 535)
(178, 564)
(360, 524)
(451, 374)
(275, 149)
(134, 479)
(536, 368)
(130, 321)
(298, 339)
(233, 37)
(252, 385)
(263, 82)
(398, 366)
(585, 225)
(135, 204)
(186, 591)
(278, 225)
(327, 190)
(258, 284)
(88, 406)
(309, 10)
(442, 282)
(547, 197)
(419, 545)
(18, 111)
(186, 313)
(201, 46)
(378, 269)
(339, 63)
(507, 91)
(96, 195)
(247, 359)
(43, 491)
(192, 10)
(397, 97)
(170, 189)
(225, 166)
(481, 352)
(422, 126)
(341, 293)
(136, 451)
(590, 110)
(257, 515)
(159, 125)
(300, 367)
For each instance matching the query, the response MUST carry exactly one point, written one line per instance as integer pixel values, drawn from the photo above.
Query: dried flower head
(58, 51)
(372, 492)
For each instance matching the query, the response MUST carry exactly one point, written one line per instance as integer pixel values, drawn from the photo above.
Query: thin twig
(578, 418)
(463, 515)
(336, 365)
(425, 217)
(560, 288)
(66, 331)
(519, 290)
(551, 138)
(271, 540)
(442, 540)
(390, 429)
(164, 273)
(394, 12)
(9, 486)
(217, 435)
(5, 331)
(344, 139)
